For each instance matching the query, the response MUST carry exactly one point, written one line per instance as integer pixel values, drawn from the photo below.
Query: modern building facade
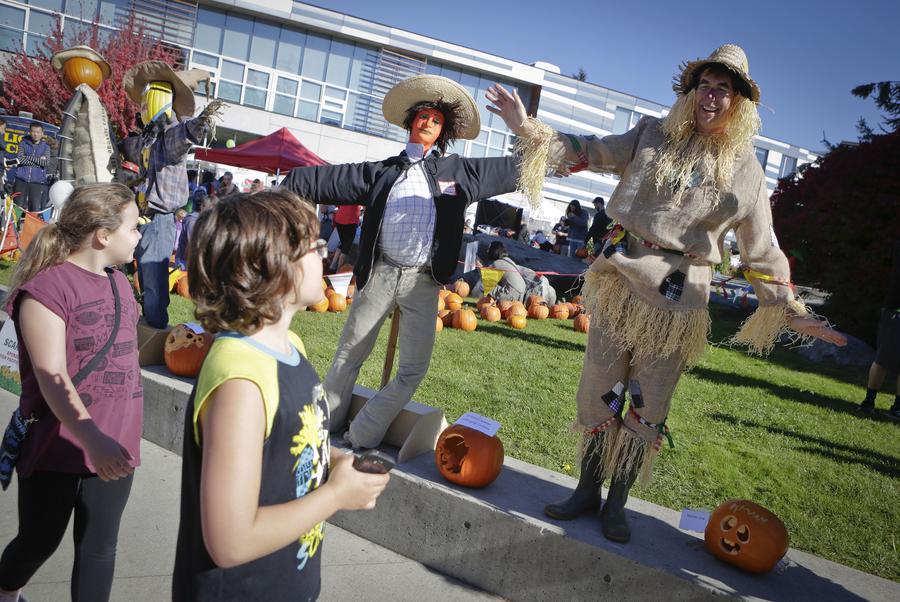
(322, 74)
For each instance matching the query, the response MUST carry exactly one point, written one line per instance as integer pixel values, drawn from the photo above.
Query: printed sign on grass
(9, 359)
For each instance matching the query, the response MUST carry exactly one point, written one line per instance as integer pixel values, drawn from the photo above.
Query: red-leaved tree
(32, 84)
(841, 219)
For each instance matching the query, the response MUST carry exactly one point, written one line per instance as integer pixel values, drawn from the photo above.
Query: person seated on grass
(517, 282)
(686, 179)
(259, 476)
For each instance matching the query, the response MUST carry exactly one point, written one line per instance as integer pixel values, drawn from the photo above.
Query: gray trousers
(415, 293)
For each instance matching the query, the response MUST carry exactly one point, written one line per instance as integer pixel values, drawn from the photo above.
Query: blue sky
(806, 55)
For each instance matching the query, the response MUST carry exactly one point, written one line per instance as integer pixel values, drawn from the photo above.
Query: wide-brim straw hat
(183, 84)
(434, 88)
(730, 56)
(84, 52)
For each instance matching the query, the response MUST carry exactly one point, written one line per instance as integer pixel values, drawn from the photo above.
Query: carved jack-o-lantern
(185, 350)
(468, 457)
(746, 535)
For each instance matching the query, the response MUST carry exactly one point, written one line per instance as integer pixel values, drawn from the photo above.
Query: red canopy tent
(279, 151)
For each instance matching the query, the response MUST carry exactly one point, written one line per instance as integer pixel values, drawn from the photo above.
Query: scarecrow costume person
(166, 98)
(686, 179)
(409, 246)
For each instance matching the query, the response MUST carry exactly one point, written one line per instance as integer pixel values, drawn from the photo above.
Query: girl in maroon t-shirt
(80, 454)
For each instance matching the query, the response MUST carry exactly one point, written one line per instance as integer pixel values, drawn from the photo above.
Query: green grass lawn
(780, 431)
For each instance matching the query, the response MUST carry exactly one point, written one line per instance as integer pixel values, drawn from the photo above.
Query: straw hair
(243, 258)
(90, 208)
(713, 156)
(533, 152)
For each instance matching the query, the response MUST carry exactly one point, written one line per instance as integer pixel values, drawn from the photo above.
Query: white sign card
(480, 423)
(693, 520)
(9, 359)
(340, 282)
(471, 256)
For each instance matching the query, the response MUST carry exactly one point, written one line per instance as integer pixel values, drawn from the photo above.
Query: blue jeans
(153, 254)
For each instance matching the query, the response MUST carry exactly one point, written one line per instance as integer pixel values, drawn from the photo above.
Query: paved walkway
(352, 568)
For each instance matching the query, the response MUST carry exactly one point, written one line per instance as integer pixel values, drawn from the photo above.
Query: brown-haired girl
(259, 476)
(81, 384)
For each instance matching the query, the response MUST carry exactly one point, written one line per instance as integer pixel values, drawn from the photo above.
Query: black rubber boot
(613, 522)
(586, 497)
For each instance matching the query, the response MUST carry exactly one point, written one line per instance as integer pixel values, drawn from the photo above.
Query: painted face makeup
(426, 128)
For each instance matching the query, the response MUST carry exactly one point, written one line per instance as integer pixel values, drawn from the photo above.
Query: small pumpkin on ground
(453, 301)
(516, 309)
(532, 299)
(491, 313)
(439, 324)
(745, 534)
(461, 288)
(582, 323)
(441, 303)
(468, 457)
(518, 322)
(486, 300)
(320, 306)
(538, 311)
(446, 316)
(337, 302)
(464, 319)
(559, 311)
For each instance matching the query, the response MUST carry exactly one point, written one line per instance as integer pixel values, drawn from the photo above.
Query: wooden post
(391, 348)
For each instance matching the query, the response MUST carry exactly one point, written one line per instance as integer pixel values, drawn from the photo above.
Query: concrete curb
(498, 539)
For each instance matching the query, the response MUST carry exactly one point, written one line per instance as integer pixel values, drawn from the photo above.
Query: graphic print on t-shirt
(311, 447)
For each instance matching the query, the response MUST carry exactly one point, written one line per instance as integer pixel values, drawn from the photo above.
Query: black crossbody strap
(112, 336)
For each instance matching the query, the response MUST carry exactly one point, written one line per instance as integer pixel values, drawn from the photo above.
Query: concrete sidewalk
(352, 568)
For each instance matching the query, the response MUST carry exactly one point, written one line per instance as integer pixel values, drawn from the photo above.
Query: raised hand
(817, 328)
(508, 106)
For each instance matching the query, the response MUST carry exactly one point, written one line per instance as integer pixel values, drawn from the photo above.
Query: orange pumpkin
(532, 299)
(571, 308)
(746, 535)
(581, 252)
(441, 303)
(578, 300)
(517, 309)
(538, 311)
(182, 288)
(328, 292)
(486, 300)
(443, 293)
(518, 322)
(319, 307)
(491, 313)
(582, 323)
(461, 288)
(504, 307)
(345, 267)
(446, 316)
(337, 303)
(559, 311)
(468, 457)
(439, 325)
(464, 319)
(453, 301)
(579, 309)
(185, 349)
(80, 70)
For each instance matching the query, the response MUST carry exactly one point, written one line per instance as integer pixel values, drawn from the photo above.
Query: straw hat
(84, 52)
(730, 56)
(183, 84)
(434, 88)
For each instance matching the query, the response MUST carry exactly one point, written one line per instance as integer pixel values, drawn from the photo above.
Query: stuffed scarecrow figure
(686, 180)
(159, 151)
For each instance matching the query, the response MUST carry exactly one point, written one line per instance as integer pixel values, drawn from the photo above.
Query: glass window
(35, 45)
(286, 86)
(208, 36)
(788, 166)
(206, 60)
(482, 137)
(41, 23)
(331, 117)
(498, 140)
(237, 36)
(470, 82)
(335, 93)
(360, 58)
(83, 9)
(229, 91)
(233, 71)
(265, 40)
(477, 150)
(494, 152)
(201, 88)
(76, 32)
(314, 56)
(255, 97)
(339, 59)
(108, 10)
(762, 155)
(283, 105)
(307, 110)
(56, 5)
(450, 73)
(433, 69)
(10, 40)
(11, 16)
(290, 49)
(310, 91)
(623, 120)
(260, 79)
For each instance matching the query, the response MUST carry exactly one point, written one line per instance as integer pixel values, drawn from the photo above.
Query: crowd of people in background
(571, 235)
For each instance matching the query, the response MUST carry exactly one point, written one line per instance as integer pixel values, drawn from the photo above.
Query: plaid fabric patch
(634, 388)
(672, 286)
(614, 398)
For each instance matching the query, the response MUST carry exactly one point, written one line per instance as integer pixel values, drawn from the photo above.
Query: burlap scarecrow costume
(680, 192)
(166, 98)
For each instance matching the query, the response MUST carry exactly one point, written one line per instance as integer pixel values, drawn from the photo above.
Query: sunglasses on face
(320, 248)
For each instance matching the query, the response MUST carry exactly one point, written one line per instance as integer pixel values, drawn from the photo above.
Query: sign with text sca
(9, 359)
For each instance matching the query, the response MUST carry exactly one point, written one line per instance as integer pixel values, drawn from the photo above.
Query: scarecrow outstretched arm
(346, 184)
(489, 177)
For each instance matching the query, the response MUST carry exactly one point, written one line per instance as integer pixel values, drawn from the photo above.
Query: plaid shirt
(407, 229)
